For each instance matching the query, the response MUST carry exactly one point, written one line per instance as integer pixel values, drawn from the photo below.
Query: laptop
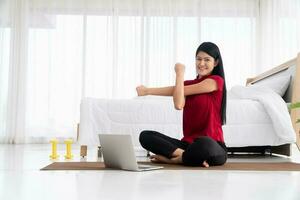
(118, 153)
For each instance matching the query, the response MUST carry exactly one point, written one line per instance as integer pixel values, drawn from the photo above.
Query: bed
(256, 118)
(290, 95)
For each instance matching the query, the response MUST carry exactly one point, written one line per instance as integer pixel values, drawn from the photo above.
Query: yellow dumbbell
(68, 143)
(54, 149)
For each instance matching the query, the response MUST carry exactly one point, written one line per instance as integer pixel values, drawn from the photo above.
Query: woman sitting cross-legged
(203, 101)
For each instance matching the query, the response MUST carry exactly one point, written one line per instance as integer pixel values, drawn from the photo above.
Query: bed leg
(77, 137)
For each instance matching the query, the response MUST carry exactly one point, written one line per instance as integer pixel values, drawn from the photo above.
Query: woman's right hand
(141, 90)
(179, 68)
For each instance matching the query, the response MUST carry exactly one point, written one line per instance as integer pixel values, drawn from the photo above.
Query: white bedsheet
(248, 123)
(127, 116)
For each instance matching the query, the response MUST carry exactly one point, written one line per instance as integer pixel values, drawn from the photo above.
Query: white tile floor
(20, 178)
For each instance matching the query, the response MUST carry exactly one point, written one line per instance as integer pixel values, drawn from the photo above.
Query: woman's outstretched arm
(161, 91)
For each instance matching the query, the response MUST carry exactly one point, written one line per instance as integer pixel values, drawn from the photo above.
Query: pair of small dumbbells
(68, 143)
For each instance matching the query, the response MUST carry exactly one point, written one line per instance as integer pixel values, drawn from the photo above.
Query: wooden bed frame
(292, 96)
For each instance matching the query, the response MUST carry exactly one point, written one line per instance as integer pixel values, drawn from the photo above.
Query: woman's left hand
(141, 90)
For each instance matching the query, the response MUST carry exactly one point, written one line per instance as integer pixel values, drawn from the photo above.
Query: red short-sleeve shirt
(201, 113)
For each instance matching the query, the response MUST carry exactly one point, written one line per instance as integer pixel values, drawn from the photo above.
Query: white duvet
(274, 105)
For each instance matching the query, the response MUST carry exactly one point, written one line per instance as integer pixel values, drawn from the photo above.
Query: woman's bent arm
(178, 94)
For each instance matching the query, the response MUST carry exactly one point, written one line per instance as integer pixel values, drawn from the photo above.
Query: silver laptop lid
(118, 151)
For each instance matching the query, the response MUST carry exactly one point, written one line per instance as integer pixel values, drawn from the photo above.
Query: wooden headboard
(292, 94)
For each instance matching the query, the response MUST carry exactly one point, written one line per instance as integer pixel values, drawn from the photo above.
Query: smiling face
(205, 64)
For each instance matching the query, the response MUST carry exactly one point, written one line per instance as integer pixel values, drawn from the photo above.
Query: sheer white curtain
(279, 32)
(55, 52)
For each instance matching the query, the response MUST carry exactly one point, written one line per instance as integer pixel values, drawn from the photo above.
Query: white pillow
(277, 83)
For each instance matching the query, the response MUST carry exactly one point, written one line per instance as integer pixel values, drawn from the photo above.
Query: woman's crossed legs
(204, 151)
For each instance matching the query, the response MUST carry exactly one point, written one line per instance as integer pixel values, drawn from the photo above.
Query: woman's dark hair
(213, 50)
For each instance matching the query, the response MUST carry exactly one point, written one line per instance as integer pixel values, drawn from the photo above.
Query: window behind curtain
(54, 76)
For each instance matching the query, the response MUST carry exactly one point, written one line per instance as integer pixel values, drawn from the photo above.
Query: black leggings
(203, 148)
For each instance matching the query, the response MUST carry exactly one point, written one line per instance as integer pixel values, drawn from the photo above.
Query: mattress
(247, 122)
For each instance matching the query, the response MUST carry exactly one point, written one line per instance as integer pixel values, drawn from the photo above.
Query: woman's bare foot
(163, 159)
(159, 159)
(205, 164)
(177, 152)
(177, 159)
